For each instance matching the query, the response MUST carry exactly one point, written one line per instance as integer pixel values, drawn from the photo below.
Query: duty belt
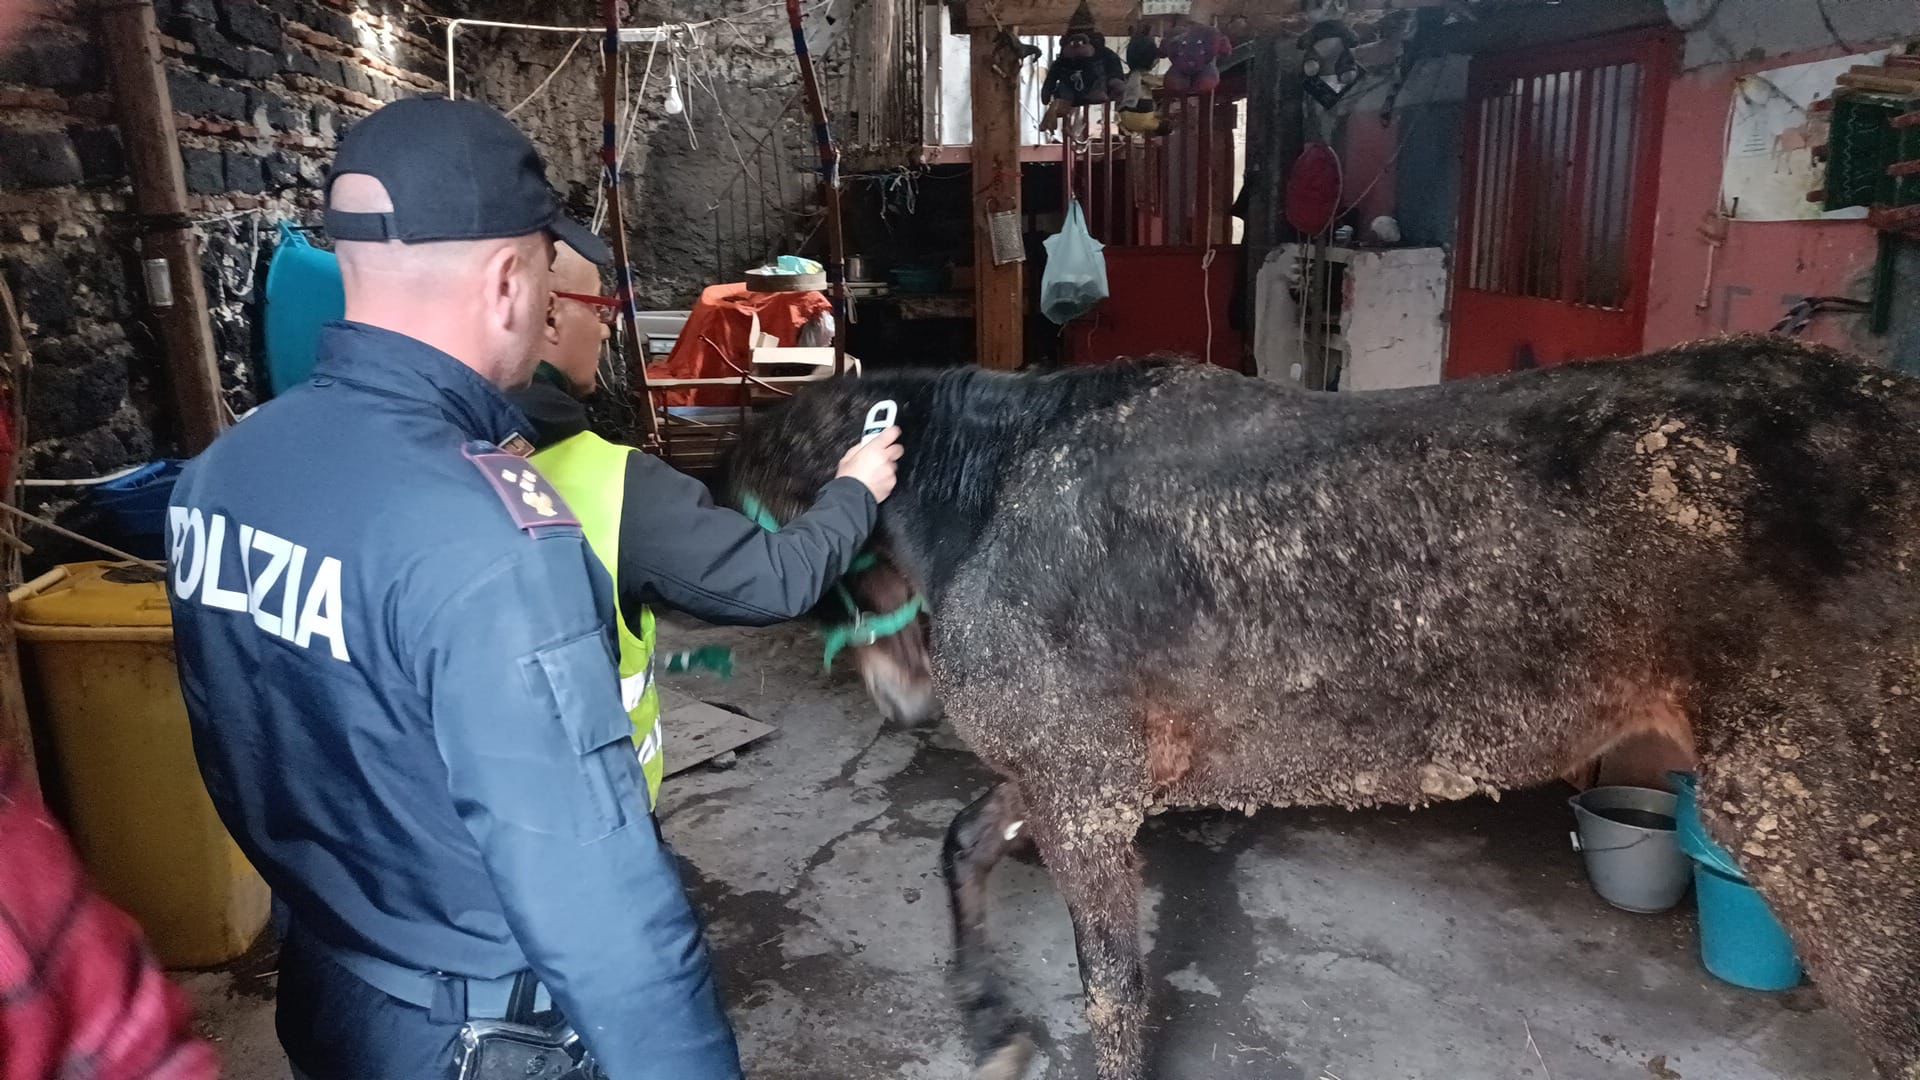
(447, 998)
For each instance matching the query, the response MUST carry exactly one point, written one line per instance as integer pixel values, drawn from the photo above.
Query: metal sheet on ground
(697, 732)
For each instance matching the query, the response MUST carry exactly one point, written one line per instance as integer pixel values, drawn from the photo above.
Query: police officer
(393, 645)
(657, 531)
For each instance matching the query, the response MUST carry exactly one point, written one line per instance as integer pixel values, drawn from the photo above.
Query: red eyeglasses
(605, 308)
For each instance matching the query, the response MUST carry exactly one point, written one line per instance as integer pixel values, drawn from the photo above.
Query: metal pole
(1106, 158)
(636, 356)
(1206, 176)
(829, 186)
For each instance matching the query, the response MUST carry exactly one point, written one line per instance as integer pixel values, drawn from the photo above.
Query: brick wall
(262, 91)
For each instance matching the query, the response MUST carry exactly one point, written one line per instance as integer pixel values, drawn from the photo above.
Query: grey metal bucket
(1627, 837)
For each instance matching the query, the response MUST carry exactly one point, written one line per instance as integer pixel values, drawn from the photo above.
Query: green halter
(866, 628)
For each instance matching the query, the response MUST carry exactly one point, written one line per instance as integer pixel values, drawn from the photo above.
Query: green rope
(864, 629)
(867, 630)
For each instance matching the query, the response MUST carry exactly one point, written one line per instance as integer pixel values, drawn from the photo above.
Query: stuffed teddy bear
(1086, 72)
(1195, 52)
(1329, 66)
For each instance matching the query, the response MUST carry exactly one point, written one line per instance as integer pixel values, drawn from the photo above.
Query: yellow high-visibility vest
(591, 475)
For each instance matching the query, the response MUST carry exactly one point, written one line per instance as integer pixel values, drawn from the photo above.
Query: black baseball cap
(455, 170)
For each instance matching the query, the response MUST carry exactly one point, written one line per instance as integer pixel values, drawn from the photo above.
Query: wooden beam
(144, 108)
(1116, 17)
(1881, 84)
(999, 291)
(1042, 154)
(1049, 16)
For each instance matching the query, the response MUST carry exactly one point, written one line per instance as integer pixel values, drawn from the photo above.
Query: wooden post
(16, 734)
(1000, 292)
(144, 108)
(1275, 136)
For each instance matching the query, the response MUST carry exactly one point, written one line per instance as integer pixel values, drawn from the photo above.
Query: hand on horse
(873, 463)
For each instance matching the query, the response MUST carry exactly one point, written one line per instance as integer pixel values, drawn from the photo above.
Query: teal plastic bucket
(1691, 834)
(1740, 940)
(304, 292)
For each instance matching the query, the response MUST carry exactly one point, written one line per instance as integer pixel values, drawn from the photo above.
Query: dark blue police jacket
(395, 653)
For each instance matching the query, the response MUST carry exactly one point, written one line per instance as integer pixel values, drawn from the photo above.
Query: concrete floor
(1295, 945)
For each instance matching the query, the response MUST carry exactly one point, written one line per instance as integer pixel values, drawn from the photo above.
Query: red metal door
(1556, 216)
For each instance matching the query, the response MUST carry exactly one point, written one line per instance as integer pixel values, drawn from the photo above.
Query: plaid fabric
(81, 998)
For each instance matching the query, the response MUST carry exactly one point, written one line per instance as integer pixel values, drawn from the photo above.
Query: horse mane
(962, 428)
(959, 424)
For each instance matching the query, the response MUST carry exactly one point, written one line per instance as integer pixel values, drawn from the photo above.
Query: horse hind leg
(1813, 793)
(1852, 917)
(978, 838)
(1086, 840)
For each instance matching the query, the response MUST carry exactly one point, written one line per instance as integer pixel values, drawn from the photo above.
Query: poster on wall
(1771, 133)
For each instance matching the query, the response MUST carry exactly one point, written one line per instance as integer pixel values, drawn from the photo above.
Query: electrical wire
(557, 69)
(1826, 20)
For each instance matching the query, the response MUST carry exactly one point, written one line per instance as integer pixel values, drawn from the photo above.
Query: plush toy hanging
(1086, 72)
(1143, 52)
(1137, 112)
(1195, 51)
(1329, 68)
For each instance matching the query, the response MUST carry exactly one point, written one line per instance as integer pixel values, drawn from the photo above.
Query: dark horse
(1161, 585)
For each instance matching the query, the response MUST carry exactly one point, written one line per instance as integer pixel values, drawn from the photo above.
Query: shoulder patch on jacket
(530, 500)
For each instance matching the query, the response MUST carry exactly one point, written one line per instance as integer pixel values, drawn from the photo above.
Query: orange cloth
(717, 332)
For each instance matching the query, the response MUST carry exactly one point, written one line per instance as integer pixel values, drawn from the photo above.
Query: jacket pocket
(584, 688)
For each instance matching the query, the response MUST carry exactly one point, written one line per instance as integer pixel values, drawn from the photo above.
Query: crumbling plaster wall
(733, 63)
(1730, 31)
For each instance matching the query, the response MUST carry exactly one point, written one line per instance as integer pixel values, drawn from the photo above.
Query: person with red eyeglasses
(605, 310)
(657, 531)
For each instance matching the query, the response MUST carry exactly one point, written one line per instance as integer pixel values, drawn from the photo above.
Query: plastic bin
(97, 642)
(1695, 844)
(1740, 939)
(304, 292)
(135, 507)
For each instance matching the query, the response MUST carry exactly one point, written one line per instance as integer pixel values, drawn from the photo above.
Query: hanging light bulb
(673, 105)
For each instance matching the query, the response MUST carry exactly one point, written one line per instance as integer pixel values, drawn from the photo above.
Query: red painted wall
(1764, 266)
(1366, 159)
(1155, 302)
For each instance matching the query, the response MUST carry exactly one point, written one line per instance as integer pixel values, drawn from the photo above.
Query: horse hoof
(1007, 1063)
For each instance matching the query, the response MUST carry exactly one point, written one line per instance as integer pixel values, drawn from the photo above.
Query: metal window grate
(1553, 185)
